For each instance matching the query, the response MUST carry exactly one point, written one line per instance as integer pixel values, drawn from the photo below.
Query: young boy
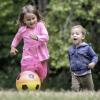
(82, 59)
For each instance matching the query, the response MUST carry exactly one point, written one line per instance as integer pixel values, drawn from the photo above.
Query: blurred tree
(61, 16)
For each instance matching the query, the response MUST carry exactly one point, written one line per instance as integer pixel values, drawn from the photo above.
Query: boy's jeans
(82, 82)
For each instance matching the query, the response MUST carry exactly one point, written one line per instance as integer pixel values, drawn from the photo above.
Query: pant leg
(39, 67)
(87, 82)
(75, 83)
(42, 70)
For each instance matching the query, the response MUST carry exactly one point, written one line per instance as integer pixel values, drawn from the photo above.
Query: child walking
(34, 34)
(82, 59)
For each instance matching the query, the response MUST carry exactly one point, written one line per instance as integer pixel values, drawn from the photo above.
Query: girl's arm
(13, 51)
(17, 38)
(43, 36)
(15, 42)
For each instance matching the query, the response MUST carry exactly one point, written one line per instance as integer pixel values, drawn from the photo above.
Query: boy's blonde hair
(81, 27)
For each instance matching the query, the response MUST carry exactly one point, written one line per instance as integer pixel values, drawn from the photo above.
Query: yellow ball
(28, 80)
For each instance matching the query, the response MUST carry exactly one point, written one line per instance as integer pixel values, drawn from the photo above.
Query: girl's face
(77, 36)
(30, 20)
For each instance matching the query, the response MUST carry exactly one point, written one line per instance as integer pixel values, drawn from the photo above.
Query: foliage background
(59, 16)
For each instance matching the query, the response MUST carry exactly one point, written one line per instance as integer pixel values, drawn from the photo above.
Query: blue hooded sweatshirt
(80, 57)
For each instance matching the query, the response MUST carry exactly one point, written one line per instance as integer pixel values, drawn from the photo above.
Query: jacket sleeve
(93, 55)
(43, 36)
(17, 38)
(68, 55)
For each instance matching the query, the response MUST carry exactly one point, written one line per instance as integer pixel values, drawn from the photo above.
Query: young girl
(35, 37)
(82, 59)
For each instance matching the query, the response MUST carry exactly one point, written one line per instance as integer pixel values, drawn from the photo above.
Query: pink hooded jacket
(32, 47)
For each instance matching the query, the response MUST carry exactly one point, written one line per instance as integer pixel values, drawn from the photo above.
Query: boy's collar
(82, 44)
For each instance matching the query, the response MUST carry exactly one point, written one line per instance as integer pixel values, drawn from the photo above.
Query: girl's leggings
(40, 68)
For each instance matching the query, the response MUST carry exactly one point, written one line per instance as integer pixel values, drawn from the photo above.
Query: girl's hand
(13, 51)
(91, 65)
(33, 36)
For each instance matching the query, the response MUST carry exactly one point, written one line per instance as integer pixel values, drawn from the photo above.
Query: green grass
(49, 95)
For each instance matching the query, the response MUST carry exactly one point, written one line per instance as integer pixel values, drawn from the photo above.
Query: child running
(34, 34)
(82, 59)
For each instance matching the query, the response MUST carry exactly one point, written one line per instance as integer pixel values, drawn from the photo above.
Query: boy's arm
(94, 57)
(68, 57)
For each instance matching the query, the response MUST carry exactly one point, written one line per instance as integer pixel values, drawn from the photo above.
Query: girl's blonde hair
(81, 27)
(28, 9)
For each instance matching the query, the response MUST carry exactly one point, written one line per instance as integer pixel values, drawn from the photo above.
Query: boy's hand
(13, 51)
(91, 65)
(33, 36)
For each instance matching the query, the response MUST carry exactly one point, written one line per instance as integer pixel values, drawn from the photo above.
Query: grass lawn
(49, 95)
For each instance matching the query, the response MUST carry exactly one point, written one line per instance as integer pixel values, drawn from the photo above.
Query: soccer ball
(28, 80)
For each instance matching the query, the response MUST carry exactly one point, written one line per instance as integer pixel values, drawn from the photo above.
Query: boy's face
(30, 20)
(77, 36)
